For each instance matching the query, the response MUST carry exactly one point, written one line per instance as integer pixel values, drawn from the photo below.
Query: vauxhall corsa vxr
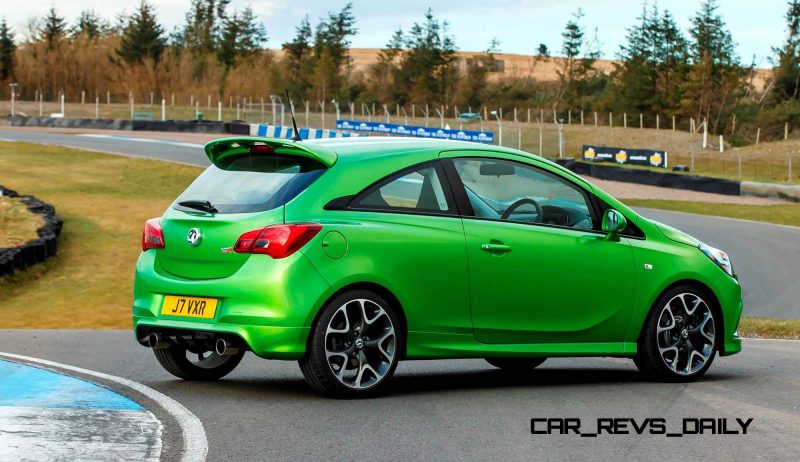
(351, 254)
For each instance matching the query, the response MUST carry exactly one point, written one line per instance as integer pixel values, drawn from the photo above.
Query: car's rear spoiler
(223, 147)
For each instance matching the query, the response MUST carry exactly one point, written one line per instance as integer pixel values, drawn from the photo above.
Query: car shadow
(409, 382)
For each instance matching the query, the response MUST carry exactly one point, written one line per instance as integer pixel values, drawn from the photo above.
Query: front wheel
(679, 339)
(354, 346)
(202, 366)
(516, 364)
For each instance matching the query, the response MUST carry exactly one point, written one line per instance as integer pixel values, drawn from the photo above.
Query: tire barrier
(104, 124)
(648, 177)
(37, 250)
(183, 126)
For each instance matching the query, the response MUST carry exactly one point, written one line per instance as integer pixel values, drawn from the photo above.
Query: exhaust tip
(156, 341)
(224, 347)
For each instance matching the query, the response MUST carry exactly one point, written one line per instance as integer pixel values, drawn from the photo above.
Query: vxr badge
(194, 237)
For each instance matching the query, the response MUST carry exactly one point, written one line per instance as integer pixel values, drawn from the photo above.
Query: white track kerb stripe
(195, 444)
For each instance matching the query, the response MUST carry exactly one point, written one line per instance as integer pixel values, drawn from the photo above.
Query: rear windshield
(248, 183)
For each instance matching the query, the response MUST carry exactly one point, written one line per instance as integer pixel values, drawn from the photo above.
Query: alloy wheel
(686, 333)
(360, 344)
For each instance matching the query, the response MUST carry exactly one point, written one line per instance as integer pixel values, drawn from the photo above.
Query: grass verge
(782, 214)
(104, 201)
(18, 225)
(769, 328)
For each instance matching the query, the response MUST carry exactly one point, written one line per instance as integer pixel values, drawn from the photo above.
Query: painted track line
(195, 443)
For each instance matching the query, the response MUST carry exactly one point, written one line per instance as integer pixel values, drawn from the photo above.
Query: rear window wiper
(204, 206)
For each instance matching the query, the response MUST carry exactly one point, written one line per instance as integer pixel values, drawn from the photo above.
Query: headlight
(719, 257)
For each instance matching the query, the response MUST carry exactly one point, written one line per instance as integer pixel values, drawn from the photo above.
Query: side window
(505, 190)
(415, 190)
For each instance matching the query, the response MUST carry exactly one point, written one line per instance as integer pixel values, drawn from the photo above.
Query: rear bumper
(269, 304)
(265, 341)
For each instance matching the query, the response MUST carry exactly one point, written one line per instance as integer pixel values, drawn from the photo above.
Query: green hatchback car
(349, 255)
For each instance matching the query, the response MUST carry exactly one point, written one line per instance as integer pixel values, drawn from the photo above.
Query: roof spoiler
(224, 147)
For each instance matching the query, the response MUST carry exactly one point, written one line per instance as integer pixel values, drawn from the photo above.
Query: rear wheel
(203, 366)
(354, 346)
(679, 339)
(516, 364)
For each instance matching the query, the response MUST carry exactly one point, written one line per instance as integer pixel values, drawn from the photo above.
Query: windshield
(248, 183)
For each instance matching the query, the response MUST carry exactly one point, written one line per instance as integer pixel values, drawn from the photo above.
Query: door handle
(495, 248)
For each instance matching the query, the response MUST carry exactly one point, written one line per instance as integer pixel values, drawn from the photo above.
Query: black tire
(213, 367)
(683, 338)
(315, 365)
(516, 364)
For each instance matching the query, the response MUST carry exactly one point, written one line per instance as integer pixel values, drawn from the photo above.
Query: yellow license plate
(190, 307)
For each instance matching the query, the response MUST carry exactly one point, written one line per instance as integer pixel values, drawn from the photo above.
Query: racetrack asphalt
(765, 256)
(463, 409)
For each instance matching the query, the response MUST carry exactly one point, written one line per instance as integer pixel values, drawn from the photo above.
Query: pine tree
(143, 37)
(635, 75)
(382, 75)
(7, 49)
(577, 72)
(241, 35)
(786, 75)
(331, 42)
(297, 60)
(427, 73)
(673, 58)
(54, 28)
(652, 62)
(716, 79)
(710, 36)
(334, 34)
(89, 24)
(542, 51)
(203, 22)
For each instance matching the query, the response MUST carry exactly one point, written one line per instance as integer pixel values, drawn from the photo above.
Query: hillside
(515, 65)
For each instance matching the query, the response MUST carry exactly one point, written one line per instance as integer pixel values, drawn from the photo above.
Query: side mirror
(613, 222)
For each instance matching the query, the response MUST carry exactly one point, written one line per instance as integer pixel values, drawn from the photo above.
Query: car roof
(354, 146)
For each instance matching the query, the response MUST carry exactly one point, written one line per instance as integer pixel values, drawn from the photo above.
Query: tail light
(277, 241)
(153, 236)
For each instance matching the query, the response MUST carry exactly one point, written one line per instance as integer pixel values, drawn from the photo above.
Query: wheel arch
(378, 289)
(710, 296)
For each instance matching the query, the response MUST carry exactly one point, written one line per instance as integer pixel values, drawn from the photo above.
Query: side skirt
(428, 345)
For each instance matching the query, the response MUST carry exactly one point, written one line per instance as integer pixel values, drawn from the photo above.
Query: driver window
(504, 190)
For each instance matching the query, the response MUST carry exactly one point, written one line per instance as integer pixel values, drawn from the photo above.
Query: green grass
(769, 328)
(18, 225)
(782, 214)
(104, 201)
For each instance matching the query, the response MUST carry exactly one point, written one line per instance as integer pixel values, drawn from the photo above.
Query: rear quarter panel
(420, 259)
